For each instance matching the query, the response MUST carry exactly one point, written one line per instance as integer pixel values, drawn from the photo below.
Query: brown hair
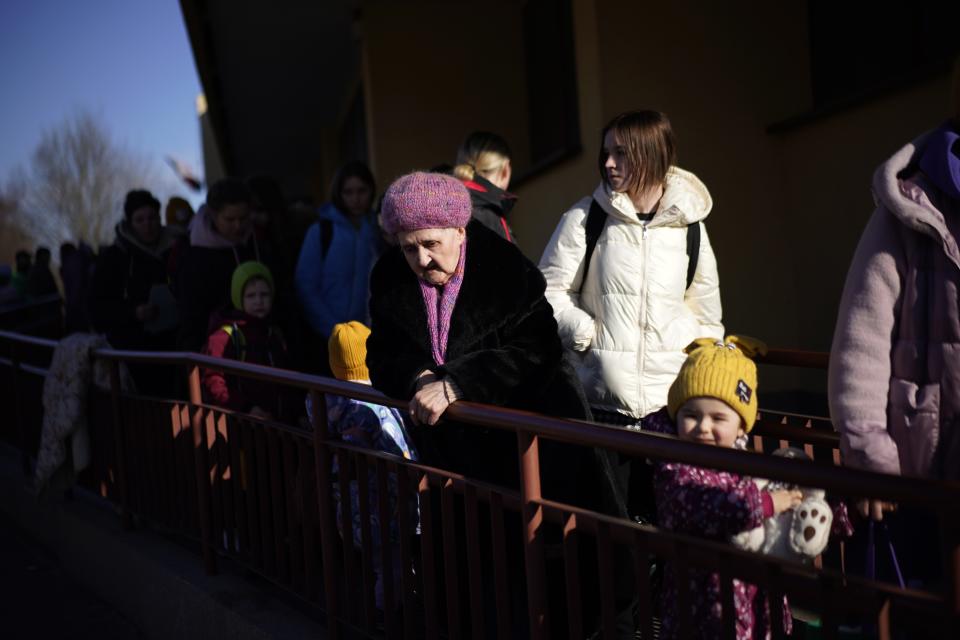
(649, 145)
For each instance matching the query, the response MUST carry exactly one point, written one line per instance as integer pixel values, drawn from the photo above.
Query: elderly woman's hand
(432, 400)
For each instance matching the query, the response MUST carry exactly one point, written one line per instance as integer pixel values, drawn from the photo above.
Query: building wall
(789, 206)
(434, 72)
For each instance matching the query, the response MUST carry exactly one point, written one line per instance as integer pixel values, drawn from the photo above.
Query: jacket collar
(685, 201)
(127, 239)
(909, 196)
(203, 234)
(485, 301)
(485, 192)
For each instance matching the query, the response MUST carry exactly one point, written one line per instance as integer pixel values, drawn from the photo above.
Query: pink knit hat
(425, 201)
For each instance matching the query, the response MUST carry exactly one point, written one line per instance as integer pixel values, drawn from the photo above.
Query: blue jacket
(333, 284)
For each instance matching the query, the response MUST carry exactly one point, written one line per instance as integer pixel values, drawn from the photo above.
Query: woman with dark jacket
(483, 165)
(460, 314)
(457, 313)
(130, 299)
(221, 239)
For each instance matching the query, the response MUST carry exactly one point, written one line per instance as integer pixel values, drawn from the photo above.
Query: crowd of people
(426, 296)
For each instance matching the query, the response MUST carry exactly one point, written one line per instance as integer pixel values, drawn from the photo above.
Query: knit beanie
(723, 370)
(137, 199)
(425, 201)
(242, 275)
(348, 351)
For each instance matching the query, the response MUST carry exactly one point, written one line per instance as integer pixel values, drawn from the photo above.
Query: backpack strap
(326, 236)
(693, 251)
(596, 220)
(237, 339)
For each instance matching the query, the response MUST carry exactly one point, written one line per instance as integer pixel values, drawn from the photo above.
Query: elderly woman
(459, 313)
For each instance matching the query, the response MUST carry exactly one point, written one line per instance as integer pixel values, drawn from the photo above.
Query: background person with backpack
(630, 271)
(337, 255)
(633, 280)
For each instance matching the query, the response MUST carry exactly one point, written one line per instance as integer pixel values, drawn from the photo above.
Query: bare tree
(75, 184)
(12, 235)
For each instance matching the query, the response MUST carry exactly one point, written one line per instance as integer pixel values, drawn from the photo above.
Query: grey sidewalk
(68, 570)
(39, 600)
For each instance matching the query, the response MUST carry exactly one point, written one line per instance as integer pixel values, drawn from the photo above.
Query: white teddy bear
(800, 534)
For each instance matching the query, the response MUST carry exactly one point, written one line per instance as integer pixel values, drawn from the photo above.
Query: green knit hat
(242, 275)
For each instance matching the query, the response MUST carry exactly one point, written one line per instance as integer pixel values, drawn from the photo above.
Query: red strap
(506, 229)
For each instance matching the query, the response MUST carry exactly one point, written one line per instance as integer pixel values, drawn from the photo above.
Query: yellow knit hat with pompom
(721, 369)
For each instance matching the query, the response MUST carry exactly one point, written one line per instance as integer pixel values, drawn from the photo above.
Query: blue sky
(128, 62)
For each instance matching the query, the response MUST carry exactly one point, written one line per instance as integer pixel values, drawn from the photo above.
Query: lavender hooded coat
(895, 363)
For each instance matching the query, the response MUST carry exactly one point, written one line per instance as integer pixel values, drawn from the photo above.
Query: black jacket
(204, 275)
(491, 206)
(502, 349)
(124, 274)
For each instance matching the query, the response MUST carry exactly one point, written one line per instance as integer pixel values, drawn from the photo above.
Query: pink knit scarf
(439, 302)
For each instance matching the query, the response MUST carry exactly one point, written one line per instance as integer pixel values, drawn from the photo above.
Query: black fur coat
(502, 349)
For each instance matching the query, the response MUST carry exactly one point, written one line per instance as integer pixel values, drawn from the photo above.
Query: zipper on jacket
(641, 321)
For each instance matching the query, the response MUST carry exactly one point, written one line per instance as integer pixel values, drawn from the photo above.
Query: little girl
(247, 333)
(713, 401)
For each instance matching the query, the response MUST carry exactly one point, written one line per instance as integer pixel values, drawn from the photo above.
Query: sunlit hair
(354, 169)
(482, 152)
(649, 147)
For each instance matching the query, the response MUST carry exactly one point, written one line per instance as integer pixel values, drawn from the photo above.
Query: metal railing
(261, 493)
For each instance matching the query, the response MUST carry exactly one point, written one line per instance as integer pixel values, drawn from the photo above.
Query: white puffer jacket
(631, 321)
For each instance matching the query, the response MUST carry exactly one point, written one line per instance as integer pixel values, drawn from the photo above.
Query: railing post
(327, 529)
(118, 438)
(529, 449)
(200, 464)
(18, 412)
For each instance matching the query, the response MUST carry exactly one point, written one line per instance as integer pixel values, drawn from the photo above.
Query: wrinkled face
(617, 165)
(145, 224)
(356, 195)
(257, 298)
(709, 421)
(433, 254)
(232, 222)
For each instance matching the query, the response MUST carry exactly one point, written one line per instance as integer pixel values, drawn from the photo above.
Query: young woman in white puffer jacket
(630, 319)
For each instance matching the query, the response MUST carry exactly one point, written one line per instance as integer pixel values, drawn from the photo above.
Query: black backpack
(596, 220)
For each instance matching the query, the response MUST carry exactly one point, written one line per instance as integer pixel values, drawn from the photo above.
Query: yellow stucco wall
(434, 72)
(789, 206)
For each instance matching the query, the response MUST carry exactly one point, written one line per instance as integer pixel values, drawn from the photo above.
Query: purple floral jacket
(715, 505)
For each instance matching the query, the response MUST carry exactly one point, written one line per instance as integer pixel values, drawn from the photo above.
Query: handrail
(27, 304)
(25, 339)
(266, 444)
(647, 445)
(795, 358)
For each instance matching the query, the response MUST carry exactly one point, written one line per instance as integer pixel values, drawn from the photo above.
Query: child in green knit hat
(247, 333)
